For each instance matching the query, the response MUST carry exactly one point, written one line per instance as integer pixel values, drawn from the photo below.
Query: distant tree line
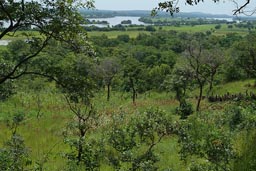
(181, 21)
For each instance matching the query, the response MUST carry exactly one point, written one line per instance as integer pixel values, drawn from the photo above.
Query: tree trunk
(133, 91)
(108, 96)
(81, 136)
(213, 72)
(80, 151)
(211, 83)
(199, 98)
(133, 95)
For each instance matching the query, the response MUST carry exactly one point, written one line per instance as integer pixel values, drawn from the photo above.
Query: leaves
(132, 142)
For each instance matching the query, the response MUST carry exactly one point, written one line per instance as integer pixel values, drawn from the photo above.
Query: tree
(126, 22)
(110, 68)
(214, 58)
(180, 81)
(74, 76)
(195, 56)
(124, 38)
(133, 74)
(172, 6)
(207, 143)
(244, 54)
(59, 20)
(14, 155)
(150, 28)
(157, 75)
(204, 60)
(132, 142)
(217, 26)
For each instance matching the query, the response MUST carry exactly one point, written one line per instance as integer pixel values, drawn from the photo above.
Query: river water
(117, 20)
(4, 42)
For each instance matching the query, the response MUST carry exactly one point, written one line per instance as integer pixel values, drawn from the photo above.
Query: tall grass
(43, 135)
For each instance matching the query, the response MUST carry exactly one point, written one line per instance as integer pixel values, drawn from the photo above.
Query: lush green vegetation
(157, 98)
(134, 31)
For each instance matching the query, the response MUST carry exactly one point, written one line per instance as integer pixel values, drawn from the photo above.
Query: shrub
(184, 110)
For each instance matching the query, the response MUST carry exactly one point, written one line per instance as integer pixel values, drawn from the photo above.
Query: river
(117, 20)
(4, 42)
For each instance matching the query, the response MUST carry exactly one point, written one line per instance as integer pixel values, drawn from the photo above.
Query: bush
(150, 28)
(128, 140)
(6, 90)
(236, 118)
(184, 110)
(14, 155)
(233, 73)
(218, 26)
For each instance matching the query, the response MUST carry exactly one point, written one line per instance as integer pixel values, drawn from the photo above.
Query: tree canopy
(59, 20)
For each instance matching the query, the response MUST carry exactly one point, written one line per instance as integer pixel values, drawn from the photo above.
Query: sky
(222, 7)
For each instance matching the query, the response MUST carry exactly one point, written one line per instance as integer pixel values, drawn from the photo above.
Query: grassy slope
(45, 134)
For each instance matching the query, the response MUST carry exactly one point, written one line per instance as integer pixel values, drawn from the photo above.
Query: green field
(134, 33)
(189, 29)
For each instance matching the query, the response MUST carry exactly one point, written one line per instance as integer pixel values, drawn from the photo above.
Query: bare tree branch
(240, 9)
(172, 6)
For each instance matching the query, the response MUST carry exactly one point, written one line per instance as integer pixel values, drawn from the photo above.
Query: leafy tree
(217, 26)
(59, 20)
(230, 39)
(196, 61)
(180, 81)
(168, 58)
(126, 22)
(110, 67)
(6, 90)
(157, 75)
(241, 119)
(150, 28)
(125, 38)
(210, 146)
(134, 77)
(245, 55)
(74, 76)
(14, 155)
(230, 26)
(133, 142)
(85, 152)
(214, 59)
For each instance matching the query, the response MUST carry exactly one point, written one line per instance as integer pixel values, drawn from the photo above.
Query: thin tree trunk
(133, 91)
(108, 96)
(199, 98)
(80, 151)
(80, 143)
(213, 72)
(133, 95)
(80, 146)
(211, 83)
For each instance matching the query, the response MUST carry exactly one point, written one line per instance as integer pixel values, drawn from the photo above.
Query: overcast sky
(223, 7)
